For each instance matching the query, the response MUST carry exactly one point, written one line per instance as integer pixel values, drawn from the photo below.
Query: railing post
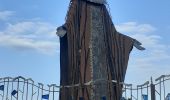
(3, 91)
(164, 88)
(152, 90)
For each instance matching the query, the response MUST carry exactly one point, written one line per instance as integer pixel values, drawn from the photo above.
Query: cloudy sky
(29, 46)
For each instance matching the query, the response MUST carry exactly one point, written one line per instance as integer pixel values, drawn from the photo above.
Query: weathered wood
(99, 54)
(92, 51)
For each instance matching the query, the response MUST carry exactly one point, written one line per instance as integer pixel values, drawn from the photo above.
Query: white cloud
(31, 28)
(39, 36)
(133, 27)
(149, 41)
(142, 32)
(4, 15)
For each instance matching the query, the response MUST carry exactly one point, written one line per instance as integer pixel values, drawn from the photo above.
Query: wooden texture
(99, 54)
(92, 50)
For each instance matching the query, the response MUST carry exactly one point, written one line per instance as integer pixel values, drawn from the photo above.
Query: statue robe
(75, 57)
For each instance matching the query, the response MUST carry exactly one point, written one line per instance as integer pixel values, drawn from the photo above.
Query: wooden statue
(93, 55)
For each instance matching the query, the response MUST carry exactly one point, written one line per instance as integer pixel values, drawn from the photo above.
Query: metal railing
(20, 88)
(158, 90)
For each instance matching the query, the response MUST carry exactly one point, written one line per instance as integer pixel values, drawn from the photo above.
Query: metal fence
(20, 88)
(158, 89)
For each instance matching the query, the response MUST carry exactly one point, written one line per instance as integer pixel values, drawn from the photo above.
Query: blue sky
(29, 46)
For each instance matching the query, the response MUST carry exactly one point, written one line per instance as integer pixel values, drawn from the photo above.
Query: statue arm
(136, 43)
